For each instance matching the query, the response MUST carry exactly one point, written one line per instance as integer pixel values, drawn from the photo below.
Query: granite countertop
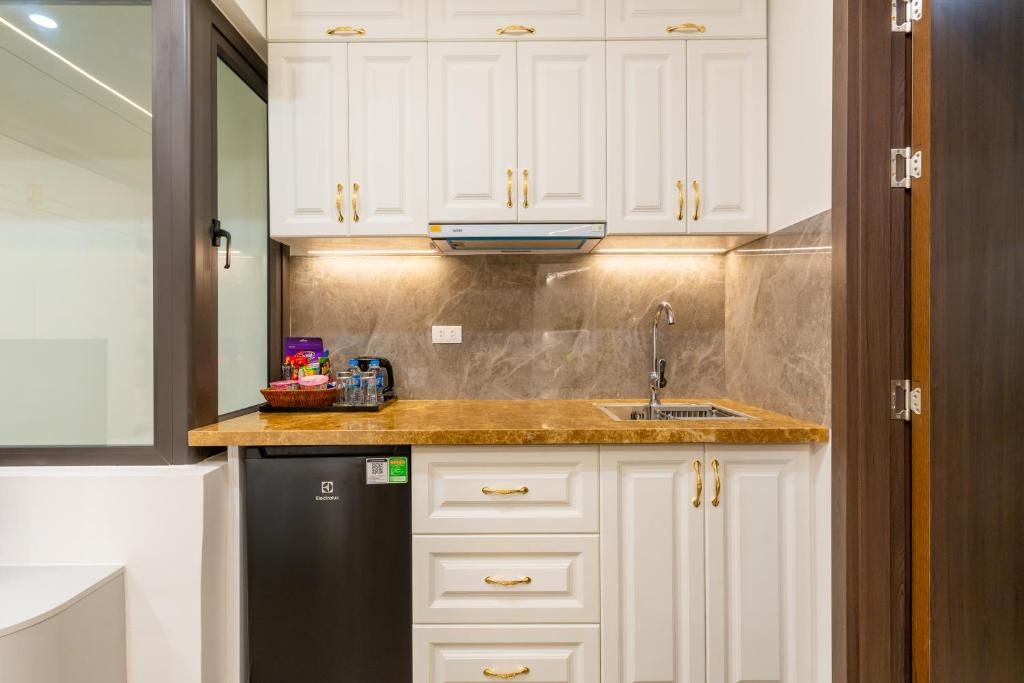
(478, 422)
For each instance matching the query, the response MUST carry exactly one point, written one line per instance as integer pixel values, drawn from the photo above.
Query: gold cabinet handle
(346, 30)
(355, 202)
(337, 202)
(488, 491)
(700, 484)
(526, 188)
(515, 28)
(696, 200)
(688, 27)
(491, 673)
(718, 484)
(490, 580)
(682, 200)
(509, 174)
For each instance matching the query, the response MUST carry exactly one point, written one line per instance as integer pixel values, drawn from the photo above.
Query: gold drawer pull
(526, 188)
(337, 202)
(488, 491)
(508, 174)
(688, 27)
(355, 202)
(506, 674)
(718, 484)
(515, 28)
(696, 200)
(700, 484)
(682, 200)
(490, 580)
(342, 30)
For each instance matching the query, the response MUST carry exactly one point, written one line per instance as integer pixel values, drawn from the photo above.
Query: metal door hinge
(904, 399)
(905, 166)
(914, 9)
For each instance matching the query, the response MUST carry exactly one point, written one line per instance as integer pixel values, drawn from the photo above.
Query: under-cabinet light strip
(373, 252)
(655, 251)
(74, 66)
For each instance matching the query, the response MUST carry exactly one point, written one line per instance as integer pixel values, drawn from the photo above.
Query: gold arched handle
(526, 188)
(491, 673)
(696, 200)
(688, 27)
(490, 580)
(509, 174)
(488, 491)
(718, 484)
(355, 202)
(515, 28)
(346, 30)
(338, 203)
(700, 484)
(682, 200)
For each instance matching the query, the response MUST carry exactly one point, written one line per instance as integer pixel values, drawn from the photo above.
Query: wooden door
(346, 20)
(561, 131)
(759, 568)
(515, 19)
(647, 137)
(652, 564)
(388, 139)
(308, 149)
(472, 134)
(687, 19)
(727, 143)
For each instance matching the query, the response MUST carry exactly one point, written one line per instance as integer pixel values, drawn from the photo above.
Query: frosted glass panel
(242, 210)
(76, 266)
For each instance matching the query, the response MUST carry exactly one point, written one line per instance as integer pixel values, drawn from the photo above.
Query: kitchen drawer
(461, 654)
(505, 579)
(504, 489)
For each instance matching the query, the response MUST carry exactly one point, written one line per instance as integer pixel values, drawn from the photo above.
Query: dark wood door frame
(870, 333)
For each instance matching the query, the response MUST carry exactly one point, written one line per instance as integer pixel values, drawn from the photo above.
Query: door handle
(338, 202)
(700, 484)
(696, 200)
(509, 174)
(526, 188)
(718, 484)
(216, 233)
(355, 202)
(682, 200)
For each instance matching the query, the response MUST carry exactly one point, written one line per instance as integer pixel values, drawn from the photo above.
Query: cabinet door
(472, 132)
(360, 20)
(646, 137)
(727, 145)
(561, 131)
(388, 139)
(308, 127)
(483, 19)
(685, 19)
(652, 565)
(759, 567)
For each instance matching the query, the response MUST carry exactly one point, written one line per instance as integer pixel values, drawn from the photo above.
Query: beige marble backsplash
(532, 326)
(778, 321)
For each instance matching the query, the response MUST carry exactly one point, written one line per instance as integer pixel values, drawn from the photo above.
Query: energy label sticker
(387, 470)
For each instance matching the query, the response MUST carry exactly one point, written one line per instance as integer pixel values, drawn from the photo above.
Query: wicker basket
(297, 398)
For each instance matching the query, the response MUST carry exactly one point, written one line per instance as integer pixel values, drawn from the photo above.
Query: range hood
(516, 238)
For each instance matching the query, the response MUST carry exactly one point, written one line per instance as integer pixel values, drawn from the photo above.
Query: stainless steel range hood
(516, 238)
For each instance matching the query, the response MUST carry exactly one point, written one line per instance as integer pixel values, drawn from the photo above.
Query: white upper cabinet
(472, 132)
(343, 20)
(759, 569)
(646, 137)
(308, 127)
(515, 19)
(687, 19)
(652, 564)
(561, 131)
(727, 142)
(388, 139)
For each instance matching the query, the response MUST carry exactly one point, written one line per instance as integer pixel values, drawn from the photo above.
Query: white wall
(799, 110)
(166, 525)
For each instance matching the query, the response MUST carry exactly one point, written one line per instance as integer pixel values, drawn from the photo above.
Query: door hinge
(904, 399)
(905, 165)
(914, 9)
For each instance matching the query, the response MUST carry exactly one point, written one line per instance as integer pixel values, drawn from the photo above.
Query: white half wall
(166, 525)
(799, 110)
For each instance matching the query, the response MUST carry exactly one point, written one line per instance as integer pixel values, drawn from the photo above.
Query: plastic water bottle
(370, 384)
(353, 389)
(379, 384)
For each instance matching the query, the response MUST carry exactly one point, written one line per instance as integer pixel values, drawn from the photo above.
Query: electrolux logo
(327, 487)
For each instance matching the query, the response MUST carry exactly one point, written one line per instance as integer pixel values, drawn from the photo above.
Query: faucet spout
(658, 364)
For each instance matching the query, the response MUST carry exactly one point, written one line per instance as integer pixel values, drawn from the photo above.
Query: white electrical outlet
(446, 334)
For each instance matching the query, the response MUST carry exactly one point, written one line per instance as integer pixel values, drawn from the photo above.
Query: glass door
(242, 287)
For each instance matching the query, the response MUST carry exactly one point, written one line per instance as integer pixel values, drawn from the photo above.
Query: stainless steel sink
(669, 411)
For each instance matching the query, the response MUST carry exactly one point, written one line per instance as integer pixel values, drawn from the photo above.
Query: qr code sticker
(376, 471)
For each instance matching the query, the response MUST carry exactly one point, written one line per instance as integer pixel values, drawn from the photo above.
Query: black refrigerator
(329, 564)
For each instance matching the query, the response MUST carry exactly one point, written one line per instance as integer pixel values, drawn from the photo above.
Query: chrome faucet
(658, 364)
